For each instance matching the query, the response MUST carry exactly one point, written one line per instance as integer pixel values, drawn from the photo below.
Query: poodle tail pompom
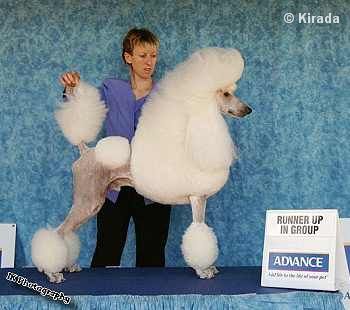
(112, 152)
(73, 246)
(81, 116)
(49, 251)
(199, 246)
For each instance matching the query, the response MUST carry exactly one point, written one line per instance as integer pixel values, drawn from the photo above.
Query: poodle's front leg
(55, 277)
(198, 205)
(199, 243)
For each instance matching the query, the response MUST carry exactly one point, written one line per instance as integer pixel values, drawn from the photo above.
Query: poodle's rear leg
(73, 268)
(199, 243)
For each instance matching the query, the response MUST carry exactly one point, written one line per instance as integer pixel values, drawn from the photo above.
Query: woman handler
(124, 100)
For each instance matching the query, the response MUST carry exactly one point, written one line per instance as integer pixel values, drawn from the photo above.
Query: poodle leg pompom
(73, 246)
(200, 250)
(49, 253)
(112, 152)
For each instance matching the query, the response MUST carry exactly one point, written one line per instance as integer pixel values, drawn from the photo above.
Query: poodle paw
(73, 268)
(215, 270)
(207, 273)
(55, 277)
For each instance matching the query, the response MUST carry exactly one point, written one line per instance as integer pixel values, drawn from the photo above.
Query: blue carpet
(143, 281)
(139, 281)
(159, 288)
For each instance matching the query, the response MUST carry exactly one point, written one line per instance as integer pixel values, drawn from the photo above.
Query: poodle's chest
(208, 144)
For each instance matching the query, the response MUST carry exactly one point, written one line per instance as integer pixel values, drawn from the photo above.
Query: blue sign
(298, 262)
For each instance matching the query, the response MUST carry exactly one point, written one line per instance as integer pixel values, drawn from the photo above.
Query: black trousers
(151, 227)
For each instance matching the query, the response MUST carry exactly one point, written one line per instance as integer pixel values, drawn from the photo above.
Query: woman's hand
(70, 79)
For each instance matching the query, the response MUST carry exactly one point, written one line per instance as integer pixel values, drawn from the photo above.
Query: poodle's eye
(226, 94)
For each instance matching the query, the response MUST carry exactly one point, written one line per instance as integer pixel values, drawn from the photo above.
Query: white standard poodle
(181, 154)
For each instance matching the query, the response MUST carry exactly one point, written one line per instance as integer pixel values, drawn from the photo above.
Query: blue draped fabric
(287, 301)
(294, 150)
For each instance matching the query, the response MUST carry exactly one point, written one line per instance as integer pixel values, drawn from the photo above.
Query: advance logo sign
(298, 262)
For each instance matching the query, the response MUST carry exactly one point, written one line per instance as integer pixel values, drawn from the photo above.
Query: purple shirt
(123, 113)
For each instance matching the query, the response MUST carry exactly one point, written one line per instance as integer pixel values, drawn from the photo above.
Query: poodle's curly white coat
(182, 145)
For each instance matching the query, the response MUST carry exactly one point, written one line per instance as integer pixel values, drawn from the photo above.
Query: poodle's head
(229, 104)
(219, 70)
(210, 74)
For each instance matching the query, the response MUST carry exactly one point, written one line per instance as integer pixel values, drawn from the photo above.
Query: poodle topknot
(204, 72)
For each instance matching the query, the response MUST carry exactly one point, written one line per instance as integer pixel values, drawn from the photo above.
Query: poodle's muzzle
(231, 105)
(243, 111)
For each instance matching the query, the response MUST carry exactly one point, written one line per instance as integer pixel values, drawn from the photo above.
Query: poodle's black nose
(248, 110)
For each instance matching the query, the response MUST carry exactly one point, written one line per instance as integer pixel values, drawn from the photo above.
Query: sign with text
(7, 245)
(345, 227)
(303, 249)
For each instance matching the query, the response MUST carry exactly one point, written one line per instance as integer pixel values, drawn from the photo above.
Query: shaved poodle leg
(198, 205)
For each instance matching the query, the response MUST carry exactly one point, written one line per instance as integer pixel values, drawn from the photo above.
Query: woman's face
(143, 60)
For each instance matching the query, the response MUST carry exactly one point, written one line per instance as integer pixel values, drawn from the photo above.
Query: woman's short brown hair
(137, 36)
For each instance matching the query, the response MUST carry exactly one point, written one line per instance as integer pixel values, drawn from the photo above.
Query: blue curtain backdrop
(294, 150)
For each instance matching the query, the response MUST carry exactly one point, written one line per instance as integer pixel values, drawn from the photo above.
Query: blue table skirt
(159, 288)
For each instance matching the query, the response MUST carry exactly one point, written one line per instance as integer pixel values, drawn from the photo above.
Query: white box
(7, 245)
